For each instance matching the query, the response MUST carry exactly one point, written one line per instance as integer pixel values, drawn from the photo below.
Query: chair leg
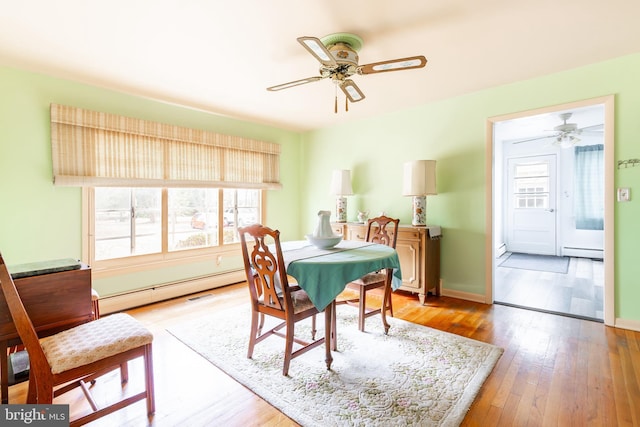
(261, 325)
(288, 347)
(383, 314)
(362, 308)
(313, 327)
(254, 333)
(386, 303)
(32, 391)
(148, 366)
(124, 372)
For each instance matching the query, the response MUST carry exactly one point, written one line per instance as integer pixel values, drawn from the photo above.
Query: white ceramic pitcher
(324, 226)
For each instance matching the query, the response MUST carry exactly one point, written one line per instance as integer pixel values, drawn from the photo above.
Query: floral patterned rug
(415, 376)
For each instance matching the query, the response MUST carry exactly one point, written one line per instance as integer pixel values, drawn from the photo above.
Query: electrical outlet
(624, 194)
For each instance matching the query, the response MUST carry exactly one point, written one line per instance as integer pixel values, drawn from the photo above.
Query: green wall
(39, 221)
(453, 132)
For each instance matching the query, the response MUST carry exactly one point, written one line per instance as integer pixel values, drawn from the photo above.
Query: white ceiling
(220, 56)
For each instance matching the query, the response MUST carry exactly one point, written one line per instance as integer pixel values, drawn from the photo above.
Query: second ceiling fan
(338, 57)
(565, 134)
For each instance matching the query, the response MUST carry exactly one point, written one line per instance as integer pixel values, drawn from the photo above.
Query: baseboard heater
(583, 252)
(144, 296)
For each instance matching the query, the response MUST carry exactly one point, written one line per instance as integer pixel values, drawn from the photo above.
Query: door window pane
(531, 186)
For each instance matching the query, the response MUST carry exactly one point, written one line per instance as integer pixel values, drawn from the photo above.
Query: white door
(531, 205)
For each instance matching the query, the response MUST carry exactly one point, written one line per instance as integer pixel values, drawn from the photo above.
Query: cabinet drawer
(408, 235)
(356, 232)
(337, 229)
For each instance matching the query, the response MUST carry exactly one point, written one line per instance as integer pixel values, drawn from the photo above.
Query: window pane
(531, 186)
(193, 218)
(116, 235)
(241, 208)
(533, 169)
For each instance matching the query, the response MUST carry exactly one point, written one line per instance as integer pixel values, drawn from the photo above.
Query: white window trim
(141, 263)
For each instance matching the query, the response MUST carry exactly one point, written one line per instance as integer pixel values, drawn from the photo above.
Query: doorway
(540, 255)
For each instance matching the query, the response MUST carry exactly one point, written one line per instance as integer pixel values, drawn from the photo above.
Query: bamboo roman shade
(95, 149)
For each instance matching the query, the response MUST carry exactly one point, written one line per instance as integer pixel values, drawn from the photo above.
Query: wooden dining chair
(382, 230)
(75, 356)
(272, 294)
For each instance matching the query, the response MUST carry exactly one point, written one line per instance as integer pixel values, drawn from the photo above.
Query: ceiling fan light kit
(338, 57)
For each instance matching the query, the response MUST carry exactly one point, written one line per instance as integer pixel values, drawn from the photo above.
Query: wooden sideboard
(55, 301)
(419, 254)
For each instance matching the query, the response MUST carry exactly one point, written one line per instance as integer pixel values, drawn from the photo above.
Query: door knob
(550, 210)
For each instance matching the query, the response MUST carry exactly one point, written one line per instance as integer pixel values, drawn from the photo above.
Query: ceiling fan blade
(296, 83)
(317, 49)
(393, 65)
(593, 128)
(520, 141)
(352, 91)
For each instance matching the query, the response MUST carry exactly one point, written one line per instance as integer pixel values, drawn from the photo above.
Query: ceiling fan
(338, 57)
(565, 134)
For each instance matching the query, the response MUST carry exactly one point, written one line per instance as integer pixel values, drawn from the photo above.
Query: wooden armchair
(382, 230)
(273, 295)
(80, 354)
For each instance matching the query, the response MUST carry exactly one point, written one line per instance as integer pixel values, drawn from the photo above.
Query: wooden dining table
(325, 273)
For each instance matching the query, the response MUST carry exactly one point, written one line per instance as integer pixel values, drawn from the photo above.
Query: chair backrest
(382, 230)
(37, 360)
(264, 266)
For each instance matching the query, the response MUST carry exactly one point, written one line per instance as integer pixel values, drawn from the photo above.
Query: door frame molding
(609, 197)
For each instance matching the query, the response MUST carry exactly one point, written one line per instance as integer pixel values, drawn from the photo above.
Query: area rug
(549, 263)
(413, 376)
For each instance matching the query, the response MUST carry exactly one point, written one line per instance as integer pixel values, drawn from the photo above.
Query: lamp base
(341, 209)
(419, 218)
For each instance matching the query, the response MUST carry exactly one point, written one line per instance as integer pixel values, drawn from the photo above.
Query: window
(531, 186)
(155, 191)
(129, 222)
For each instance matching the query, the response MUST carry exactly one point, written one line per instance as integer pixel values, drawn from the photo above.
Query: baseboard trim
(632, 325)
(583, 252)
(464, 295)
(140, 297)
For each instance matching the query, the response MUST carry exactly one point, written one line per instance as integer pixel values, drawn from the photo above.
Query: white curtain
(589, 187)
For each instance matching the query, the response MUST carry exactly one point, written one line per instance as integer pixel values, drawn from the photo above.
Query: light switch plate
(624, 194)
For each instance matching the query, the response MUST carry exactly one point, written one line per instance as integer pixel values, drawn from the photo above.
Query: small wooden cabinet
(55, 300)
(419, 254)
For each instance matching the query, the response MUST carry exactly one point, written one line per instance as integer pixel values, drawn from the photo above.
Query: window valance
(98, 149)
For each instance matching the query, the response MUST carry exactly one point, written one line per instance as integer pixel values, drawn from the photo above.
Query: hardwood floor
(578, 293)
(555, 371)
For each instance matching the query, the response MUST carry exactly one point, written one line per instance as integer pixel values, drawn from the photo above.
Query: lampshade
(419, 178)
(341, 183)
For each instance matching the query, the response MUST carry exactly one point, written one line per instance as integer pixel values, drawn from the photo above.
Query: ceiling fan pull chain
(346, 104)
(335, 104)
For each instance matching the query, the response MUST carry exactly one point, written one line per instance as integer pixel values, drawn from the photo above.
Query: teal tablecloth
(324, 273)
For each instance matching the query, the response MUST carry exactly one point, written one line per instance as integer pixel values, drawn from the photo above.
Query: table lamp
(419, 181)
(341, 187)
